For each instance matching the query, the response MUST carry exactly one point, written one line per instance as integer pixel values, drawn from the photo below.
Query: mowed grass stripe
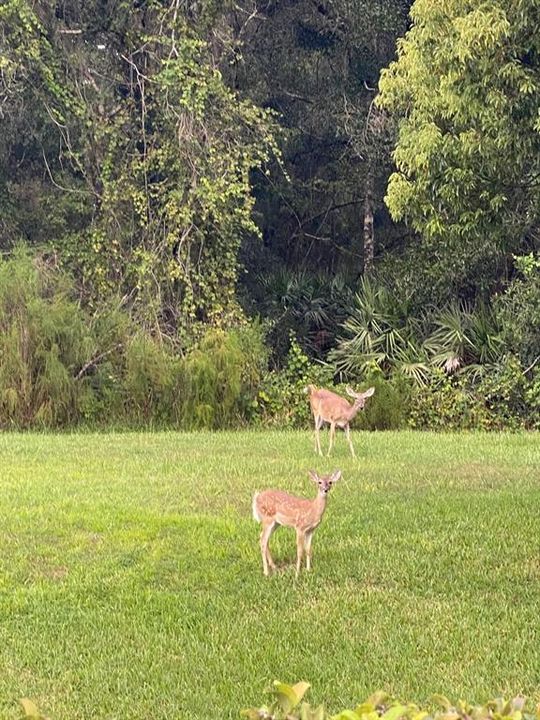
(131, 580)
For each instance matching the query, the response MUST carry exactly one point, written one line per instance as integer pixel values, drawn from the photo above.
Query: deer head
(324, 482)
(359, 398)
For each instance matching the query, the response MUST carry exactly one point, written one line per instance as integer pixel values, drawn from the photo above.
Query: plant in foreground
(287, 704)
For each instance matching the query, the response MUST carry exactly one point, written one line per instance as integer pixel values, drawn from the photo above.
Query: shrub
(220, 378)
(43, 343)
(381, 332)
(287, 704)
(387, 409)
(282, 398)
(150, 373)
(445, 404)
(519, 311)
(500, 398)
(61, 365)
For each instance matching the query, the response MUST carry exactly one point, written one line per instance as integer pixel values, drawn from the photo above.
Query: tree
(317, 65)
(465, 91)
(122, 109)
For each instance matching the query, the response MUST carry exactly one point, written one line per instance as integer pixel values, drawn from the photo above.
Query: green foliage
(387, 409)
(220, 378)
(502, 399)
(31, 710)
(454, 367)
(282, 398)
(518, 310)
(465, 91)
(286, 699)
(287, 705)
(43, 343)
(62, 366)
(465, 339)
(445, 404)
(503, 391)
(147, 155)
(309, 306)
(150, 373)
(532, 399)
(381, 331)
(314, 64)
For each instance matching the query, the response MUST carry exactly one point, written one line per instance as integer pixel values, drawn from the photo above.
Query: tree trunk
(369, 236)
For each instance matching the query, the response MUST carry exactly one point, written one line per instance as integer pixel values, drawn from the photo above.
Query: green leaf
(30, 708)
(309, 713)
(301, 689)
(394, 712)
(377, 698)
(251, 713)
(441, 700)
(346, 715)
(366, 708)
(288, 696)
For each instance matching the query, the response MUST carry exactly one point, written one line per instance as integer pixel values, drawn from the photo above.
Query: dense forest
(205, 205)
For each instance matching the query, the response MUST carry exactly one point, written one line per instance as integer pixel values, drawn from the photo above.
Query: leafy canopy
(466, 90)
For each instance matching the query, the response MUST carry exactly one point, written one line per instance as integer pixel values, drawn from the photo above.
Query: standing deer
(275, 507)
(328, 407)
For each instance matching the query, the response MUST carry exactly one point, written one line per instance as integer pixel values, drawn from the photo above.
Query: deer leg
(348, 434)
(309, 537)
(332, 436)
(269, 560)
(318, 424)
(300, 538)
(267, 530)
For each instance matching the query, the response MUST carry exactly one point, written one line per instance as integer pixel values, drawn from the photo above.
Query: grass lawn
(131, 581)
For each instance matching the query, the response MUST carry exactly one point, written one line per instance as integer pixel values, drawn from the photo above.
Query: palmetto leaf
(464, 337)
(451, 337)
(381, 331)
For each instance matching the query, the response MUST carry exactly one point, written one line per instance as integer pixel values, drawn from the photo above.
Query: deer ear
(368, 392)
(351, 392)
(336, 475)
(313, 475)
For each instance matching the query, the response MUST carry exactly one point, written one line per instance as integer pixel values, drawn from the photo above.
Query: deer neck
(319, 504)
(353, 411)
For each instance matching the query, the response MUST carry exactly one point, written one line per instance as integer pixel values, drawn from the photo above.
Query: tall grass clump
(63, 365)
(150, 376)
(220, 378)
(43, 344)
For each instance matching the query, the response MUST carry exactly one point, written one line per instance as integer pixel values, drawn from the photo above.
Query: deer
(328, 407)
(273, 508)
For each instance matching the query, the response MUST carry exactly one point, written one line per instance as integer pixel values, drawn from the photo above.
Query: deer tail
(256, 515)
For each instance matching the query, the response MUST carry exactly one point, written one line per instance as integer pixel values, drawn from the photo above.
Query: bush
(282, 398)
(43, 343)
(519, 311)
(500, 399)
(387, 409)
(149, 377)
(287, 704)
(220, 378)
(61, 366)
(445, 404)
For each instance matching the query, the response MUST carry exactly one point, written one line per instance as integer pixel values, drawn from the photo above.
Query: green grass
(131, 582)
